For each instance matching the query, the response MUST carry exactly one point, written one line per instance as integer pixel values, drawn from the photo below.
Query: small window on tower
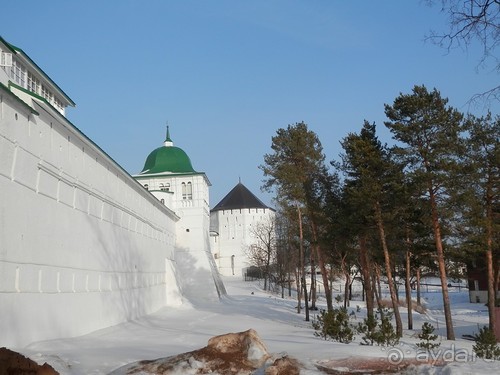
(184, 190)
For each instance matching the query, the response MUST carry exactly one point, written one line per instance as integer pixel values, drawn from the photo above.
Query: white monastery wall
(82, 245)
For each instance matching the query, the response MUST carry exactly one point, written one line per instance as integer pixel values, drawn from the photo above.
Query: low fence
(356, 288)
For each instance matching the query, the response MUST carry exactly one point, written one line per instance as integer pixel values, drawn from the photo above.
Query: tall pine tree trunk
(347, 276)
(379, 286)
(450, 334)
(419, 302)
(408, 291)
(375, 283)
(496, 267)
(322, 265)
(302, 265)
(365, 271)
(388, 270)
(312, 294)
(489, 258)
(491, 288)
(409, 303)
(298, 281)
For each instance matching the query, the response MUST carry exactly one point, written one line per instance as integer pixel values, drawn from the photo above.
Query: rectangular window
(5, 59)
(58, 104)
(18, 74)
(47, 94)
(33, 83)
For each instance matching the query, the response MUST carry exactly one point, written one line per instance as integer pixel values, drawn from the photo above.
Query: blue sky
(227, 74)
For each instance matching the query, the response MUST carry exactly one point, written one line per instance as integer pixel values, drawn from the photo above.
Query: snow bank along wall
(82, 245)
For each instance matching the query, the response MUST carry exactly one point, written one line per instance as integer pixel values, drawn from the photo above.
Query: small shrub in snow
(368, 328)
(486, 344)
(428, 337)
(378, 329)
(334, 325)
(388, 336)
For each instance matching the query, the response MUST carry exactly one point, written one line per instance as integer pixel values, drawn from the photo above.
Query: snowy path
(172, 331)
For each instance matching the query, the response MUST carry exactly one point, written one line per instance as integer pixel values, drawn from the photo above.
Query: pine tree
(429, 132)
(296, 168)
(428, 337)
(479, 194)
(486, 344)
(370, 173)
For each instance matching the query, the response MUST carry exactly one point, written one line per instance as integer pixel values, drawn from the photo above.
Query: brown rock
(247, 345)
(231, 354)
(284, 366)
(12, 363)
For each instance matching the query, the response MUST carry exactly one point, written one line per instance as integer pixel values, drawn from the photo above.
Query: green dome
(168, 159)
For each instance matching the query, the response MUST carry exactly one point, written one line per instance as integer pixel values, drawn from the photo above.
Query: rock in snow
(241, 353)
(15, 363)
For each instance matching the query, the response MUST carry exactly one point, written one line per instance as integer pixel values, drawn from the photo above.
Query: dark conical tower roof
(239, 197)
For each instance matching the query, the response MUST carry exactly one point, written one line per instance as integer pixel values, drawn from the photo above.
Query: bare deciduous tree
(469, 22)
(262, 251)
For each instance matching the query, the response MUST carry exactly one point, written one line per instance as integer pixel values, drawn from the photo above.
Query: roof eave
(8, 91)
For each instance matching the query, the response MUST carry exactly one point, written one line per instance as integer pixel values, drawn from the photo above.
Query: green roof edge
(31, 93)
(6, 89)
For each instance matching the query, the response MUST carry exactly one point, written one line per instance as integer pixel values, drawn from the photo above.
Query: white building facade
(231, 224)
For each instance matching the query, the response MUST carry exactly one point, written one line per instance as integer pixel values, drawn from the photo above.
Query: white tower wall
(234, 237)
(198, 275)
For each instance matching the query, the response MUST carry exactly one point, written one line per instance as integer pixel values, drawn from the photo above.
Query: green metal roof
(168, 159)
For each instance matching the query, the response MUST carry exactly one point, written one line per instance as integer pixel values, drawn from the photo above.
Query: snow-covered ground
(172, 331)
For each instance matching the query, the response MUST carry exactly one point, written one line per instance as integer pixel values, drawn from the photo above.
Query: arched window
(187, 190)
(146, 186)
(184, 190)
